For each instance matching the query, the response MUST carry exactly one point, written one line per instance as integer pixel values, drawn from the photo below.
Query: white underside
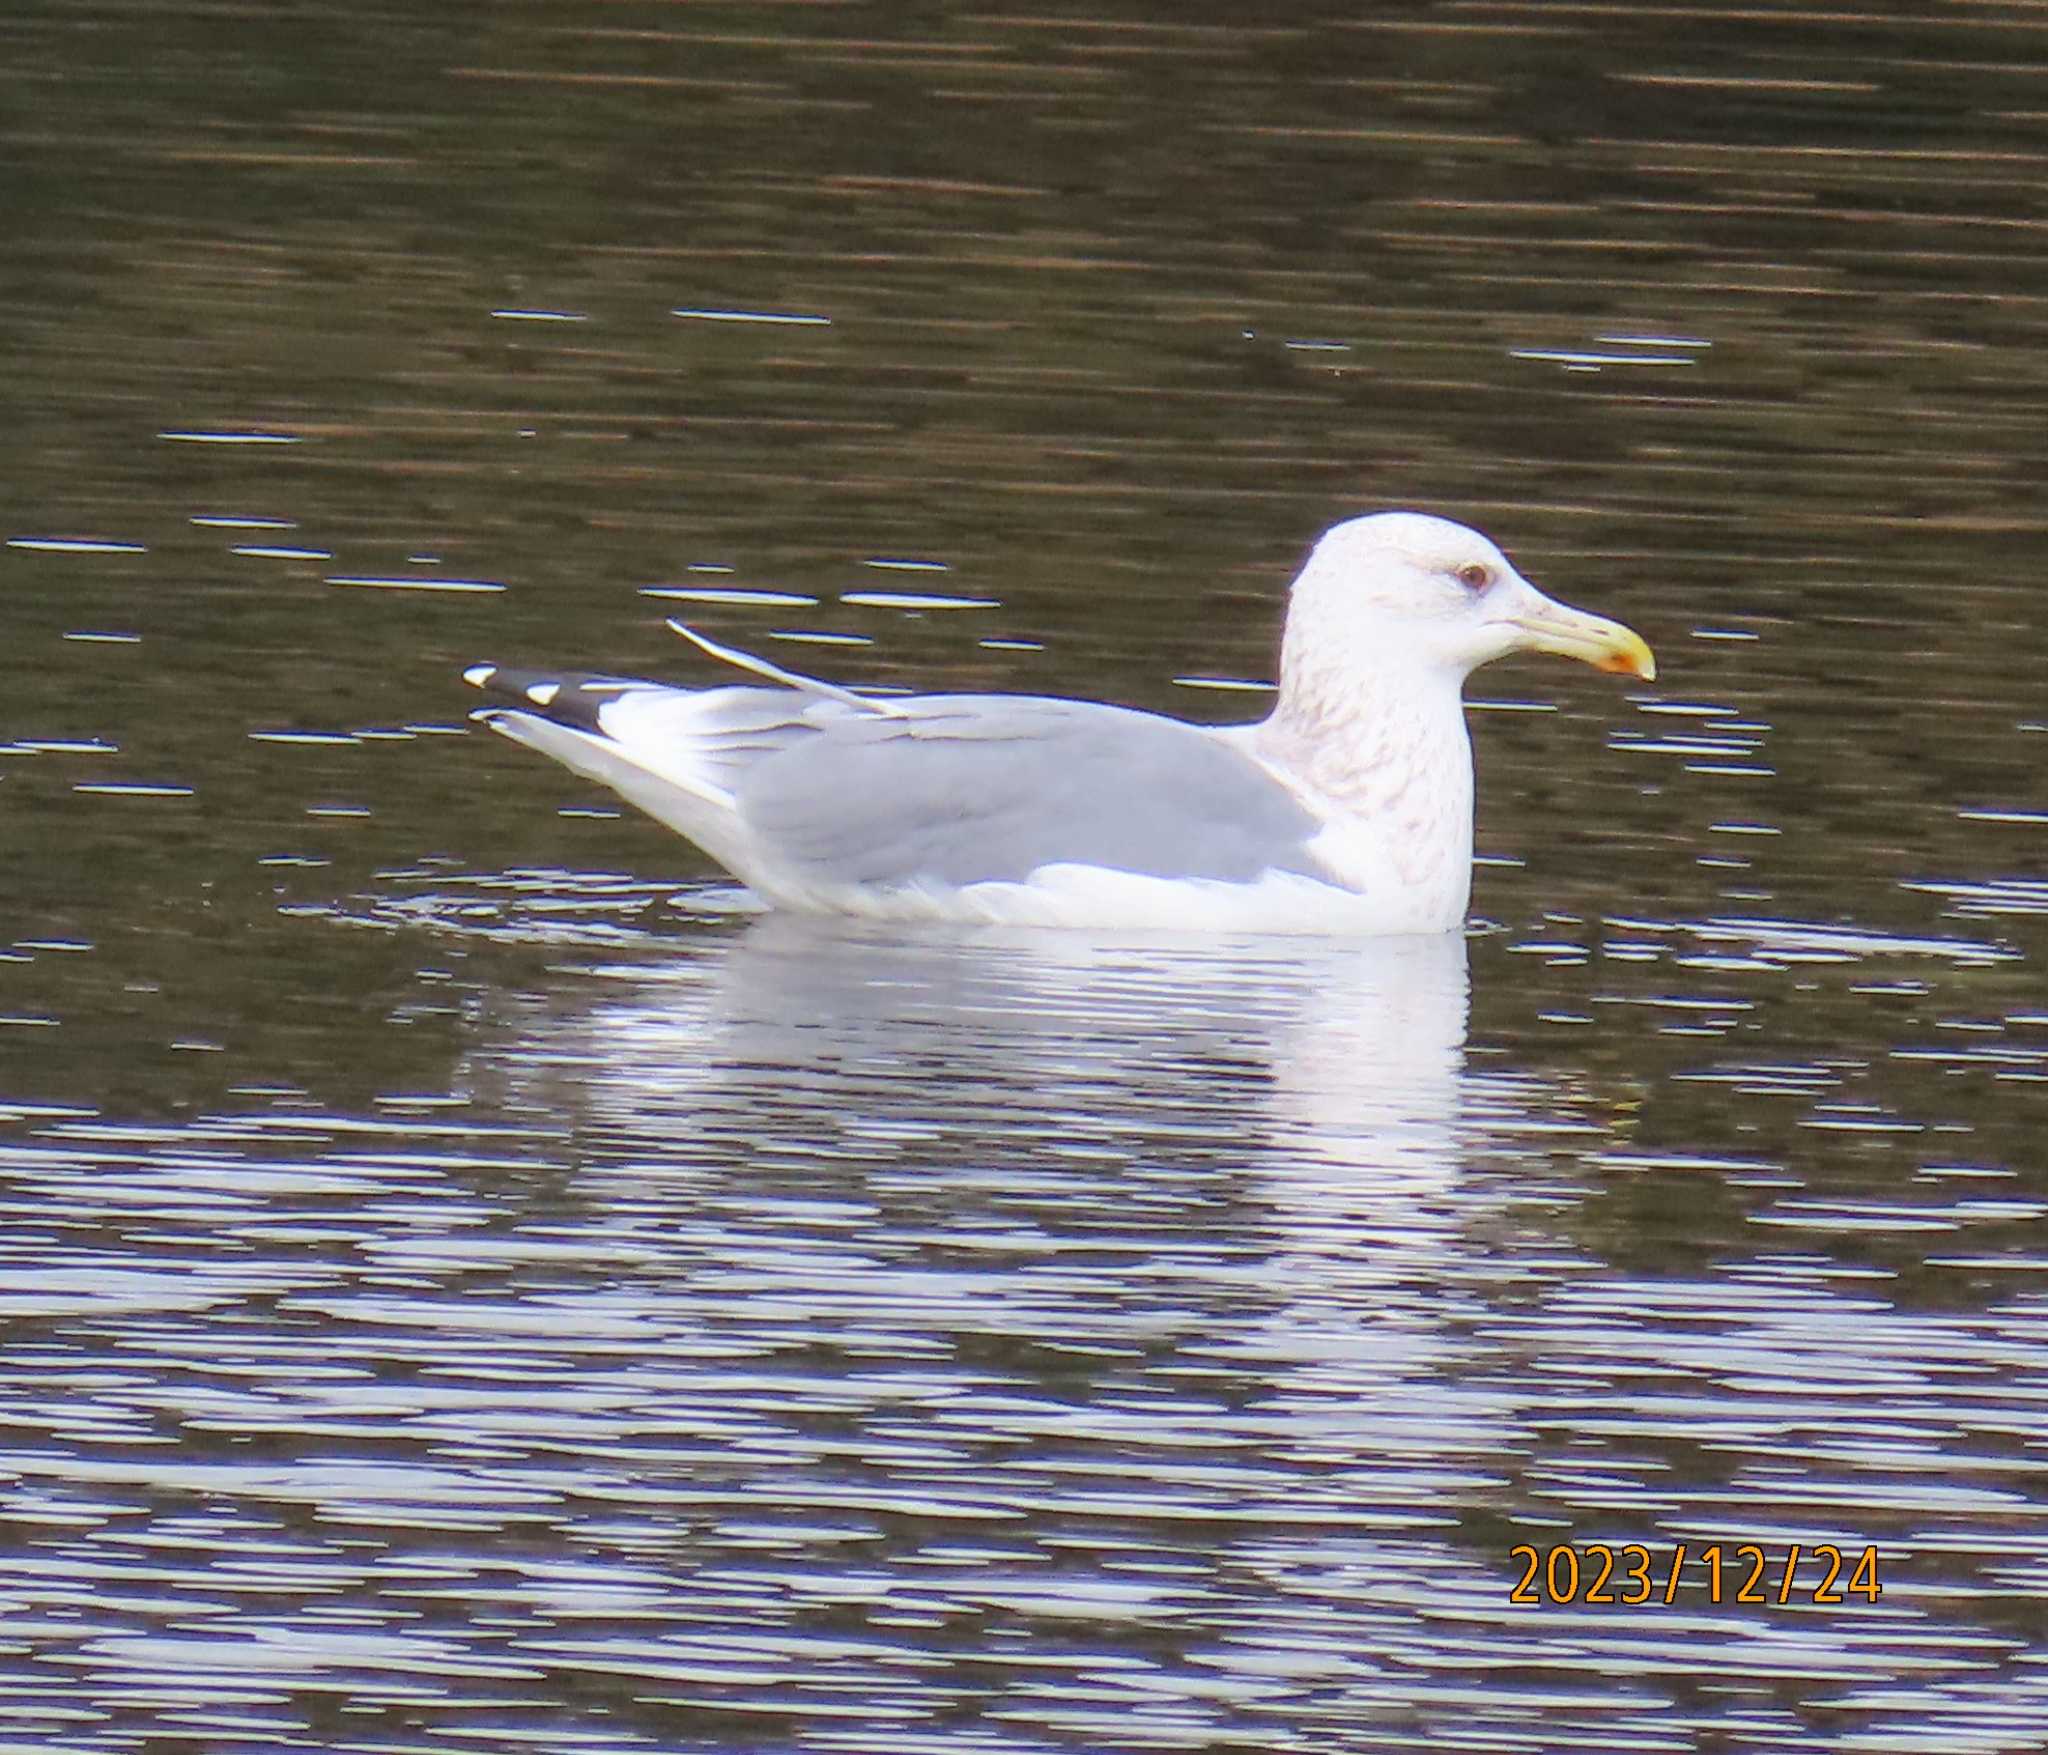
(1095, 896)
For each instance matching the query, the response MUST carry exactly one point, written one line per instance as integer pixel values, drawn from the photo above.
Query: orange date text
(1632, 1575)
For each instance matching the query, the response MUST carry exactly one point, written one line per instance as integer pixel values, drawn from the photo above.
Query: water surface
(464, 1286)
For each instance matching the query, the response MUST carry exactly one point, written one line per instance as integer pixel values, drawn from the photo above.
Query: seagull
(1348, 809)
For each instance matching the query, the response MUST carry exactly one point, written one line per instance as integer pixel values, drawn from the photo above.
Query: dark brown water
(459, 1289)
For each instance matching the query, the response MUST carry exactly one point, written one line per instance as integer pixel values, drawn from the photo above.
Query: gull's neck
(1377, 748)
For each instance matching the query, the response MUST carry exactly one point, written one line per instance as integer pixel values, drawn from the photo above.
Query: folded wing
(824, 787)
(961, 789)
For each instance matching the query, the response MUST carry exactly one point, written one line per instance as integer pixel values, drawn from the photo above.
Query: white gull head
(1387, 618)
(1406, 592)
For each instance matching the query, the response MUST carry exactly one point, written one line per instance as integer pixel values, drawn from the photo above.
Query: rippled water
(467, 1283)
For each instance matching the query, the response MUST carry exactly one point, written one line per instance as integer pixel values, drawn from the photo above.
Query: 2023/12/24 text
(1634, 1575)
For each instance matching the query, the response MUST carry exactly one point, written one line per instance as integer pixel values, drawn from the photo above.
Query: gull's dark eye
(1475, 575)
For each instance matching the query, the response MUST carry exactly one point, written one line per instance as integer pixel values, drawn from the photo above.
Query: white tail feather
(788, 678)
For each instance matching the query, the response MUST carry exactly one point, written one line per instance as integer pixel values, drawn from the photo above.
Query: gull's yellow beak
(1592, 639)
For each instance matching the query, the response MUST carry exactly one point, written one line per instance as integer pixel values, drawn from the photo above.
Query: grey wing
(959, 789)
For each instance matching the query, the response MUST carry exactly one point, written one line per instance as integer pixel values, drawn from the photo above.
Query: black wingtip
(568, 697)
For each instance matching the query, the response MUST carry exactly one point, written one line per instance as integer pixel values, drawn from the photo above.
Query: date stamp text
(1632, 1575)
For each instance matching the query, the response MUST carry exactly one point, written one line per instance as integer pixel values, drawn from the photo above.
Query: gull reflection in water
(823, 1037)
(1318, 1086)
(1267, 1154)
